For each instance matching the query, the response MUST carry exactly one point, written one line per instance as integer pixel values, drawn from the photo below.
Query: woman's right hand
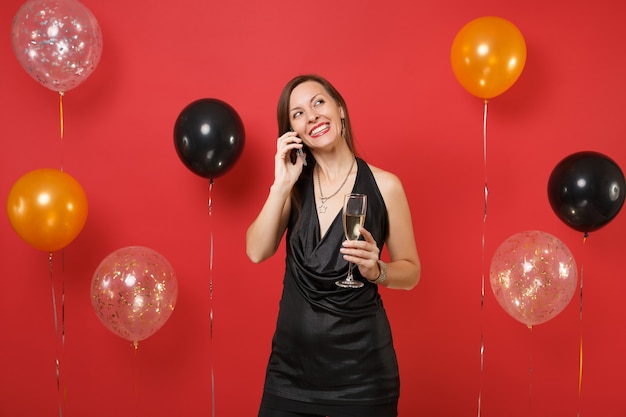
(265, 233)
(285, 171)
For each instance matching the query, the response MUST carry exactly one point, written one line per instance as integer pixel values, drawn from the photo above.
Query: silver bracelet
(382, 276)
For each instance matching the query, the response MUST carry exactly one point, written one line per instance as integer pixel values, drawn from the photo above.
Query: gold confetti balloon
(133, 292)
(533, 276)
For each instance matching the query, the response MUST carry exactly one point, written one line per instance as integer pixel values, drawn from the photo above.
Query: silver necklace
(322, 207)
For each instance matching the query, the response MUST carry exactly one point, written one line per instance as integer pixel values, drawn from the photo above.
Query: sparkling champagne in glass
(354, 208)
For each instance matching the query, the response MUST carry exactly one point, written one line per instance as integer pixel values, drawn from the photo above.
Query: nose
(313, 115)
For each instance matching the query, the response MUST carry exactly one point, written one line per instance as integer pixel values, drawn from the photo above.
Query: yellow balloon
(47, 208)
(488, 55)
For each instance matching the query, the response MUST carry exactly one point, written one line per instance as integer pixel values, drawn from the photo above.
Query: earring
(343, 127)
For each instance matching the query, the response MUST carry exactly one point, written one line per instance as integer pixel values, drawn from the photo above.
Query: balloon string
(57, 360)
(61, 124)
(136, 376)
(530, 373)
(486, 196)
(211, 247)
(482, 281)
(485, 163)
(63, 300)
(210, 209)
(63, 318)
(580, 349)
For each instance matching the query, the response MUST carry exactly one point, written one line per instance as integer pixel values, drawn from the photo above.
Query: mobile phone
(297, 153)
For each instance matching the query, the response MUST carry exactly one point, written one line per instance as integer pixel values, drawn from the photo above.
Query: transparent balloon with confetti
(533, 276)
(134, 292)
(57, 42)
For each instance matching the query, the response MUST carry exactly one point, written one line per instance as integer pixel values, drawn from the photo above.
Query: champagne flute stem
(349, 277)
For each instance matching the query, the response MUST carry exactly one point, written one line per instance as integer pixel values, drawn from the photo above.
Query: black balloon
(209, 137)
(586, 190)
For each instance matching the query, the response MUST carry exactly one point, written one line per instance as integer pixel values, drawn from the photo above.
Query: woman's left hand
(363, 254)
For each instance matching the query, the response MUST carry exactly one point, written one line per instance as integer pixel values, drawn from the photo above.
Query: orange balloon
(488, 56)
(47, 208)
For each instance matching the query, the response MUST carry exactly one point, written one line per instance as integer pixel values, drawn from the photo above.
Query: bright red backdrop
(391, 62)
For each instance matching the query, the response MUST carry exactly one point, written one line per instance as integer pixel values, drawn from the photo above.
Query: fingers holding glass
(354, 210)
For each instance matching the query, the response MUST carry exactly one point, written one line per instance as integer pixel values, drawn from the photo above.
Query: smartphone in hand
(297, 153)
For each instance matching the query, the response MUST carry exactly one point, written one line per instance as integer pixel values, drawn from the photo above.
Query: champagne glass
(354, 208)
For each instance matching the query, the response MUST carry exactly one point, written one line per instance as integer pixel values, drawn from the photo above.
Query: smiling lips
(319, 130)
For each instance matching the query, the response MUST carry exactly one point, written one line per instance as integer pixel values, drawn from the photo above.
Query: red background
(391, 62)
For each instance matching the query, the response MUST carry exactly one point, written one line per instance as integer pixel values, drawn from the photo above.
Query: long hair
(284, 125)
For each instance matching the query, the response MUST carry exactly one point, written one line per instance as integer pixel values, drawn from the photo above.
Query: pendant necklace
(322, 207)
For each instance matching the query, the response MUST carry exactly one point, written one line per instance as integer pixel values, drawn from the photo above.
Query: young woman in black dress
(332, 352)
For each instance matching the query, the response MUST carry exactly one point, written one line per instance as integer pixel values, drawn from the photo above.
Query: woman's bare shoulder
(388, 182)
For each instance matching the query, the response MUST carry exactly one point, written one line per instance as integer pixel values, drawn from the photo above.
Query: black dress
(332, 345)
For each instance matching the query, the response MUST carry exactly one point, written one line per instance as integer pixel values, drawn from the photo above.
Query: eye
(318, 102)
(296, 114)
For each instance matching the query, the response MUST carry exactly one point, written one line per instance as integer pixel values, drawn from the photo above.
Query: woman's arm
(266, 231)
(404, 267)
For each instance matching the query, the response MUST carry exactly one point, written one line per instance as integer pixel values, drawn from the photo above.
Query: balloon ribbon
(136, 377)
(482, 281)
(530, 372)
(580, 349)
(61, 124)
(210, 209)
(59, 332)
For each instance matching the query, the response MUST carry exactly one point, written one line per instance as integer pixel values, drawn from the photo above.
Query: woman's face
(314, 115)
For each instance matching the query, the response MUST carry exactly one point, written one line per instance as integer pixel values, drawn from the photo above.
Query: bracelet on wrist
(382, 275)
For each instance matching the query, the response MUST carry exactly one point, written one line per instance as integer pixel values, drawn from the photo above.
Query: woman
(332, 352)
